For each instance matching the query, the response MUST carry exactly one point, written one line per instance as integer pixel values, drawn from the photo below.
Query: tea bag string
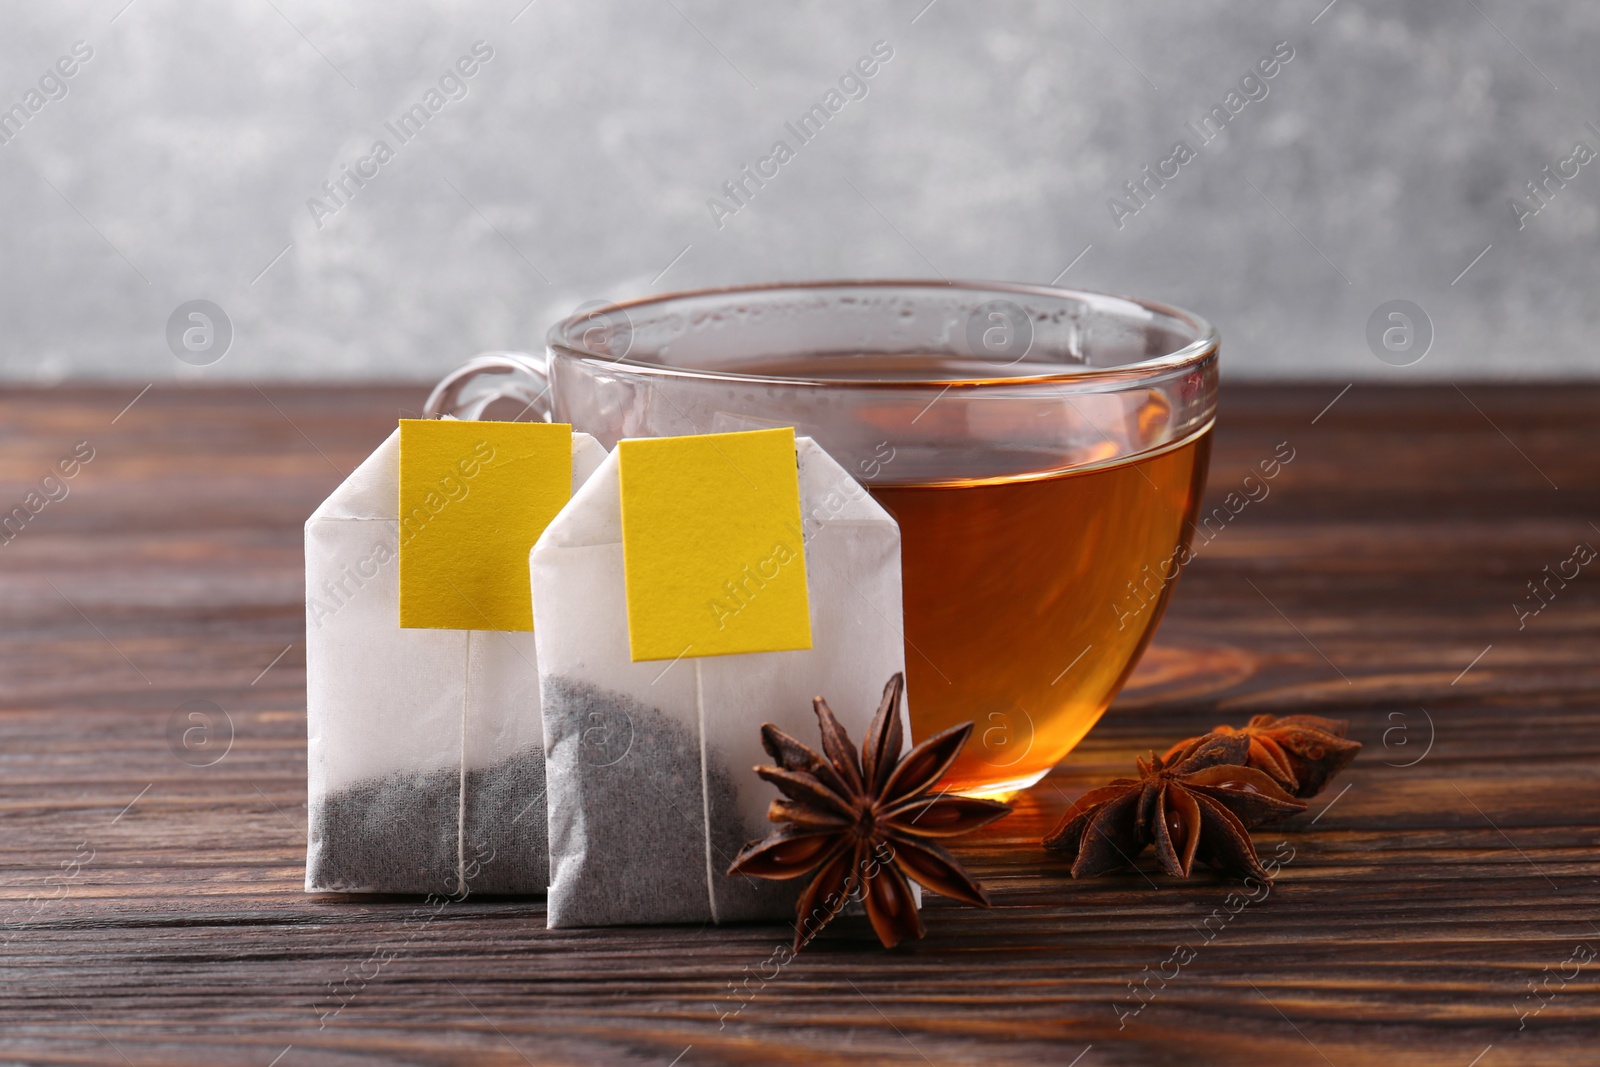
(705, 789)
(461, 785)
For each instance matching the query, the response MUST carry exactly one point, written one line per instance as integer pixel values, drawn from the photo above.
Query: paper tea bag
(660, 659)
(425, 744)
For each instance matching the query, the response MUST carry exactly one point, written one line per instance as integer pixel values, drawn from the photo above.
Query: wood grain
(153, 911)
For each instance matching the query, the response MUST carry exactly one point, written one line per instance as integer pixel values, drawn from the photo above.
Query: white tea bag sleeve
(651, 788)
(410, 730)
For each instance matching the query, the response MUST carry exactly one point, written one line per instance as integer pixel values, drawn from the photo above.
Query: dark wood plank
(153, 911)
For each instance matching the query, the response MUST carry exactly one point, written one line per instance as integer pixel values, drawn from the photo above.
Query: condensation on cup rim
(999, 332)
(605, 330)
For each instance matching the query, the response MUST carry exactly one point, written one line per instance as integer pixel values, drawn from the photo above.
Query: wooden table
(1440, 905)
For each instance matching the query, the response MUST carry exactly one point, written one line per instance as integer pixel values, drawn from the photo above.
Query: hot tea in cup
(1043, 451)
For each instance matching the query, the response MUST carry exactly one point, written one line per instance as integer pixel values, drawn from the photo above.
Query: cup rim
(1205, 343)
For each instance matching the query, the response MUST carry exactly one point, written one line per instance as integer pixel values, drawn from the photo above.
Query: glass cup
(1043, 450)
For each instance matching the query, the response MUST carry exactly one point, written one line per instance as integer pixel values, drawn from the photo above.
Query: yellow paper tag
(711, 543)
(474, 497)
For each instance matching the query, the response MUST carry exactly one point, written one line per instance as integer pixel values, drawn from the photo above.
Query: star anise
(1200, 806)
(864, 823)
(1302, 753)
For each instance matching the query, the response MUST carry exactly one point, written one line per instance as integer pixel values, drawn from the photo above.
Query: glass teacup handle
(521, 377)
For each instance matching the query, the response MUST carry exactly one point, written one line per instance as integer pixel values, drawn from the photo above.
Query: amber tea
(1029, 600)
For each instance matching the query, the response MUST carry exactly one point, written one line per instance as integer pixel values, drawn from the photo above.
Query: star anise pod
(1200, 806)
(864, 824)
(1302, 753)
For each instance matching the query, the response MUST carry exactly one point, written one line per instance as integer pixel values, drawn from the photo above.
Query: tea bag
(425, 746)
(651, 792)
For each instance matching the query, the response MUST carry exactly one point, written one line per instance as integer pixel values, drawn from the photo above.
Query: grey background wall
(180, 159)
